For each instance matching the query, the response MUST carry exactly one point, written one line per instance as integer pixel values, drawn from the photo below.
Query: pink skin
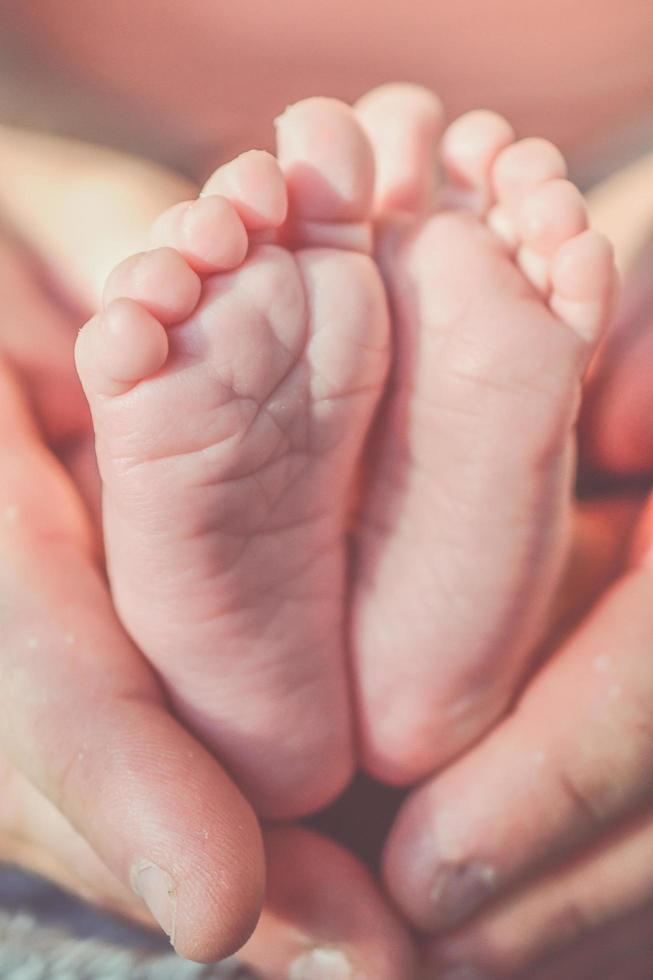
(230, 413)
(326, 919)
(106, 728)
(569, 906)
(619, 890)
(606, 951)
(535, 809)
(622, 950)
(542, 223)
(464, 525)
(438, 865)
(535, 792)
(99, 749)
(83, 718)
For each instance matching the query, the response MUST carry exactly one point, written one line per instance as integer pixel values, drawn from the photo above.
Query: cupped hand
(93, 761)
(535, 847)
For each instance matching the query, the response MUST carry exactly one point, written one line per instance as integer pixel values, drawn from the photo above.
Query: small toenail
(159, 892)
(459, 889)
(321, 963)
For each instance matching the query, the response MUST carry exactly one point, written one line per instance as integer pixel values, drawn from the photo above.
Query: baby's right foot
(229, 416)
(499, 297)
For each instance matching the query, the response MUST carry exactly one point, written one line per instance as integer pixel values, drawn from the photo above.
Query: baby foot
(232, 380)
(499, 298)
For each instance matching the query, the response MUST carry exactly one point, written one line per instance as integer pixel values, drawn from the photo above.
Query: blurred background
(191, 83)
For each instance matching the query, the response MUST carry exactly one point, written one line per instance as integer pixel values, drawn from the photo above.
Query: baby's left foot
(499, 299)
(232, 382)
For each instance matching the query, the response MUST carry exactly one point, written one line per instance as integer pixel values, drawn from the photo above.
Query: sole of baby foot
(232, 376)
(499, 297)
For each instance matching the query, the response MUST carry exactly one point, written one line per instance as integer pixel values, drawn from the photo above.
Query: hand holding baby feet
(91, 760)
(231, 386)
(539, 840)
(116, 764)
(499, 297)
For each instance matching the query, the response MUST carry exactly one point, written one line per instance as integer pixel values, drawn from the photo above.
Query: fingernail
(459, 890)
(321, 964)
(158, 891)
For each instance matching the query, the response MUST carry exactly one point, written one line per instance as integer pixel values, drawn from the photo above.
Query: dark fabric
(46, 934)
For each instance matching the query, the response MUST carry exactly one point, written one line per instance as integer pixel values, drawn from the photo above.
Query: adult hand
(92, 760)
(540, 838)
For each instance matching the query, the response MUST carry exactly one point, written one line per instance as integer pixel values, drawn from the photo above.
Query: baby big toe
(160, 280)
(208, 233)
(118, 348)
(403, 123)
(470, 146)
(328, 164)
(583, 284)
(546, 218)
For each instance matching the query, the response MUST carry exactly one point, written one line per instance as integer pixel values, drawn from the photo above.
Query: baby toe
(519, 169)
(208, 233)
(584, 284)
(550, 214)
(161, 280)
(403, 123)
(547, 217)
(328, 164)
(523, 165)
(118, 348)
(255, 186)
(470, 146)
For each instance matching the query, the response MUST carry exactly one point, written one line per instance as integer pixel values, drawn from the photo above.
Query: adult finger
(34, 834)
(323, 912)
(571, 760)
(622, 951)
(83, 717)
(564, 908)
